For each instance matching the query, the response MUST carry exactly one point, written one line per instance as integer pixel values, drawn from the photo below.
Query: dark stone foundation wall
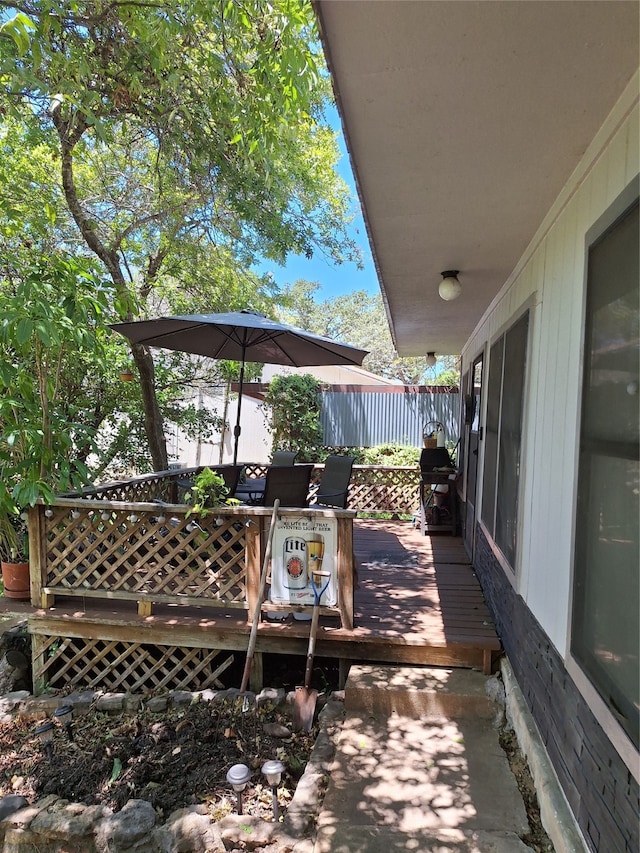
(601, 791)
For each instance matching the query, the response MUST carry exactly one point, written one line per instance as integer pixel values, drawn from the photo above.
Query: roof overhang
(463, 121)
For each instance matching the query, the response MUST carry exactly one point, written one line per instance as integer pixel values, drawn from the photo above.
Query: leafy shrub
(390, 454)
(294, 410)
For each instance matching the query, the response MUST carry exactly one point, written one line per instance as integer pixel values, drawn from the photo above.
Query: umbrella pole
(236, 429)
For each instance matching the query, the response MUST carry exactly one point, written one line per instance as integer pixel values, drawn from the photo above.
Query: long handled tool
(304, 703)
(256, 615)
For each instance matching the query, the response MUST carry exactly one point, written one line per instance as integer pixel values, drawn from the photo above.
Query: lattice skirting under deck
(77, 663)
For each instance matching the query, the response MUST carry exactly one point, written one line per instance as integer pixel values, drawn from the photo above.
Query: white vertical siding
(550, 278)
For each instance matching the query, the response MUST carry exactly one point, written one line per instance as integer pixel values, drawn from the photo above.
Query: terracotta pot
(15, 577)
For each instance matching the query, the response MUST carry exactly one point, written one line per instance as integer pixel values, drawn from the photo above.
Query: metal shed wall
(357, 419)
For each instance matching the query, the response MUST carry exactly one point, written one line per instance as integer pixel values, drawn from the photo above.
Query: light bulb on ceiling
(449, 288)
(430, 359)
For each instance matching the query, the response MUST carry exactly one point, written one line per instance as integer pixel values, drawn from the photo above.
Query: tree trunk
(153, 421)
(70, 132)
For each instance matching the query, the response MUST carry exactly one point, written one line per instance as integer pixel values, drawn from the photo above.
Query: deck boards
(418, 601)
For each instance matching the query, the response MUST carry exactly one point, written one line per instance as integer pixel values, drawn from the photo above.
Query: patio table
(252, 490)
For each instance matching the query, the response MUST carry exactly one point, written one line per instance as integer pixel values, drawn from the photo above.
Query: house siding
(532, 603)
(601, 791)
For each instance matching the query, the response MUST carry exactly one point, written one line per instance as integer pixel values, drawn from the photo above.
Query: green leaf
(18, 29)
(116, 770)
(24, 331)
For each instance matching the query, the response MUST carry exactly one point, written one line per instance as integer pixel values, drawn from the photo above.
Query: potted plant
(14, 550)
(208, 490)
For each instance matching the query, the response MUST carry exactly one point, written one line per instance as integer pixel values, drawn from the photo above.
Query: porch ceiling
(463, 121)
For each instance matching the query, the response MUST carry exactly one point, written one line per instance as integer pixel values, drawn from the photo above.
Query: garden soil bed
(172, 760)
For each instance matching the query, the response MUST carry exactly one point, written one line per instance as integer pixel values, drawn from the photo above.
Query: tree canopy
(359, 319)
(188, 139)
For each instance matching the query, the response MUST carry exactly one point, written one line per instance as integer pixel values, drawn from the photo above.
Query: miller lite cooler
(295, 563)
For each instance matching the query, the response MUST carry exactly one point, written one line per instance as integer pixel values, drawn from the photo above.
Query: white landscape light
(273, 770)
(237, 776)
(45, 736)
(64, 714)
(449, 288)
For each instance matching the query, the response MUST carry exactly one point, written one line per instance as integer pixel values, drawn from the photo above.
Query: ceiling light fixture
(449, 288)
(430, 359)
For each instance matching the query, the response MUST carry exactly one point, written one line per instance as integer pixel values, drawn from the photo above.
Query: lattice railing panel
(162, 485)
(70, 662)
(389, 489)
(373, 488)
(137, 489)
(146, 552)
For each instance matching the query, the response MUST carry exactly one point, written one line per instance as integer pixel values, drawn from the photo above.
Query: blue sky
(334, 280)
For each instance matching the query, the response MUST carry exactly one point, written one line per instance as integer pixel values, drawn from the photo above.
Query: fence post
(346, 569)
(254, 547)
(38, 557)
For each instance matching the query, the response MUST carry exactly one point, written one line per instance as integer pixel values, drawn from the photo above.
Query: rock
(111, 703)
(248, 832)
(303, 810)
(209, 695)
(494, 688)
(190, 830)
(133, 703)
(11, 803)
(323, 752)
(333, 711)
(276, 695)
(68, 820)
(81, 701)
(181, 698)
(134, 822)
(276, 730)
(157, 704)
(16, 697)
(21, 819)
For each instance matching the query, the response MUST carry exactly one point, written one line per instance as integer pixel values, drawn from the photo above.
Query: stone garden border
(53, 825)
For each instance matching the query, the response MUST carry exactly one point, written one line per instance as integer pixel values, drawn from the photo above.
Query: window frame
(525, 312)
(585, 672)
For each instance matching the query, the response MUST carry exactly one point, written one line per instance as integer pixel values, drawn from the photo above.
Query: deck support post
(38, 644)
(145, 608)
(487, 661)
(344, 665)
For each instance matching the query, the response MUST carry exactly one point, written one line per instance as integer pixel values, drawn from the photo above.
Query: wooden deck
(418, 601)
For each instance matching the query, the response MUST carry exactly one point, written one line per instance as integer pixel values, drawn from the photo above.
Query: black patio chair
(284, 457)
(288, 483)
(333, 488)
(252, 490)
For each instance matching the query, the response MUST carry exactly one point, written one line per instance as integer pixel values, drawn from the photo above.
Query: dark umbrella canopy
(240, 336)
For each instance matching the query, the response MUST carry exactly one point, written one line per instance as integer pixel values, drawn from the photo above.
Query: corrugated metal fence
(359, 418)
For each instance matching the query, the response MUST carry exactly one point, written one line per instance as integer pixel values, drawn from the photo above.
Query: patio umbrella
(240, 336)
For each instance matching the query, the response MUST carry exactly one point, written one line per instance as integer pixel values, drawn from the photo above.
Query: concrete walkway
(419, 768)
